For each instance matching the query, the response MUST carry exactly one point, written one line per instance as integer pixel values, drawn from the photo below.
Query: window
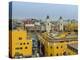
(20, 47)
(57, 47)
(51, 47)
(50, 54)
(20, 38)
(61, 46)
(20, 43)
(25, 47)
(57, 54)
(24, 43)
(64, 53)
(28, 43)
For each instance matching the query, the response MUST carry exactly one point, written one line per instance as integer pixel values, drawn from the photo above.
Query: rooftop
(75, 46)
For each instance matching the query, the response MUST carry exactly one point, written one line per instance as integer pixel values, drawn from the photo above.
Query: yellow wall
(20, 43)
(58, 48)
(55, 49)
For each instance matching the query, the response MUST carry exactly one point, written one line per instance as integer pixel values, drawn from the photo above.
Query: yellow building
(71, 27)
(56, 47)
(20, 44)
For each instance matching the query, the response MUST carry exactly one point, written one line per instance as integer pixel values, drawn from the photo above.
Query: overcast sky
(21, 10)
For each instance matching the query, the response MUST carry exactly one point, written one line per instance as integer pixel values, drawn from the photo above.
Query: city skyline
(22, 10)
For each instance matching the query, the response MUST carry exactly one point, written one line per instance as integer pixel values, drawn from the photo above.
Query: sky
(22, 10)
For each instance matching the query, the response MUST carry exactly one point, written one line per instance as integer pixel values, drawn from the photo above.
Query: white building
(48, 24)
(61, 24)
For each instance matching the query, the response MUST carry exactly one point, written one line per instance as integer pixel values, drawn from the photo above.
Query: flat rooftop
(75, 46)
(52, 39)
